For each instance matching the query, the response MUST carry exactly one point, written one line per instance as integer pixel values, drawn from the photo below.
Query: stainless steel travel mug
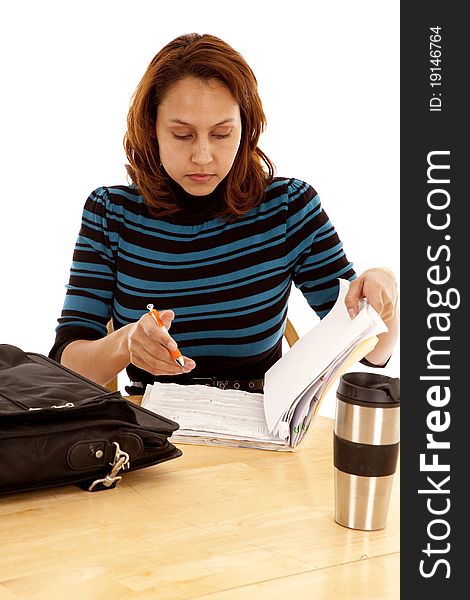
(366, 445)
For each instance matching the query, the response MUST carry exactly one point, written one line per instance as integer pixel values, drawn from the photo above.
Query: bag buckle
(120, 461)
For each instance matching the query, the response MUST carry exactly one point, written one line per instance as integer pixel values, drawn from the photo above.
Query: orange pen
(176, 354)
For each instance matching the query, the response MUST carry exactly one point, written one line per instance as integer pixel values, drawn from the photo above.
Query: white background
(328, 75)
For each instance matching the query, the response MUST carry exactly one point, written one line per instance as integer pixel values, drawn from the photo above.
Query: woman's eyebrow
(180, 122)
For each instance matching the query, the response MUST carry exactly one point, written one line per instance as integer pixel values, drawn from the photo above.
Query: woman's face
(198, 131)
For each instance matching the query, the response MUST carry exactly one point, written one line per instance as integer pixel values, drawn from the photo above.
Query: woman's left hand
(379, 286)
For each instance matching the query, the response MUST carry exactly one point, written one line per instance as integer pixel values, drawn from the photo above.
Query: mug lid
(369, 388)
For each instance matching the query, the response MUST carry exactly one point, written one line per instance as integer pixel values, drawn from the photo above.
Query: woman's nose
(202, 154)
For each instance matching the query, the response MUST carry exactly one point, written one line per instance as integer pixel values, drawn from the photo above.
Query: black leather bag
(59, 428)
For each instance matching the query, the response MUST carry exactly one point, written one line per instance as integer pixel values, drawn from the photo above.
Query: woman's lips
(200, 177)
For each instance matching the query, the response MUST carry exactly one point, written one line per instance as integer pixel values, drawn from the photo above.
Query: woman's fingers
(149, 346)
(160, 366)
(379, 287)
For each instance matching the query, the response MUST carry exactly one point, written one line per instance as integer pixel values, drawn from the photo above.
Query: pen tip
(180, 361)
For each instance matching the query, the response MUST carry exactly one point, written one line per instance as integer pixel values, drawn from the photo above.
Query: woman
(207, 234)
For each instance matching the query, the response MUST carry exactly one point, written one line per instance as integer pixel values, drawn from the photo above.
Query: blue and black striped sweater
(228, 281)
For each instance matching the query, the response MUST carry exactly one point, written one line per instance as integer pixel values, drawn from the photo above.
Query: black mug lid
(369, 388)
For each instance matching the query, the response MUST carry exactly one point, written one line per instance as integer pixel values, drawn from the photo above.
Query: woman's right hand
(149, 345)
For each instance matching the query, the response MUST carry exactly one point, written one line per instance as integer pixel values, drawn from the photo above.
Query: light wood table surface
(213, 524)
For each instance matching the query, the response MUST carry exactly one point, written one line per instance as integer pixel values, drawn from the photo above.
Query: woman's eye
(189, 136)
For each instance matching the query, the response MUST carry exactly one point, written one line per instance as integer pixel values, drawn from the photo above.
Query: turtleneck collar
(197, 208)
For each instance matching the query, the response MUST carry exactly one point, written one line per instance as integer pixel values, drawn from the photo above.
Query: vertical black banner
(435, 331)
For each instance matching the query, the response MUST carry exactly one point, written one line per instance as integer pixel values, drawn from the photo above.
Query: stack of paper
(293, 390)
(208, 415)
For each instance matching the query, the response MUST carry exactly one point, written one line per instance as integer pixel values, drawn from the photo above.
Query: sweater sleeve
(314, 250)
(90, 291)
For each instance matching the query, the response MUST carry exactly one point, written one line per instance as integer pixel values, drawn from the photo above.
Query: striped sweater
(228, 282)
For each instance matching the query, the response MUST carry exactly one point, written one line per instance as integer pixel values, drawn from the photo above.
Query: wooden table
(213, 524)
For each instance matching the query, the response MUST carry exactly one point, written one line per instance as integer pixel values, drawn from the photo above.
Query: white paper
(211, 412)
(310, 356)
(294, 387)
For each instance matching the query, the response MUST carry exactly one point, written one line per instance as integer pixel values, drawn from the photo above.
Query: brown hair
(203, 57)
